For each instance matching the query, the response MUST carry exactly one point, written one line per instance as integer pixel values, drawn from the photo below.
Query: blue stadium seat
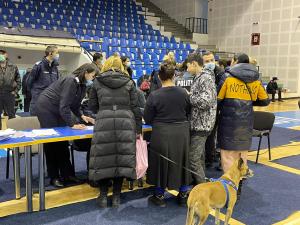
(111, 19)
(96, 47)
(172, 40)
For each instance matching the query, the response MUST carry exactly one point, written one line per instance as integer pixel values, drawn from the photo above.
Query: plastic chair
(19, 124)
(262, 126)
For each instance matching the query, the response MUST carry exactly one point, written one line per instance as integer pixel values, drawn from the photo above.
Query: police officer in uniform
(43, 74)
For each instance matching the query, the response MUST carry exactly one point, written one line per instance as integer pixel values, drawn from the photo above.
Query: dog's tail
(190, 217)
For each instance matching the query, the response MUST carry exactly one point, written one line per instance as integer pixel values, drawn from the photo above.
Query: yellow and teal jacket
(239, 90)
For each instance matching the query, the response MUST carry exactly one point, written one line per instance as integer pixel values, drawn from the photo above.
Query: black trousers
(274, 93)
(58, 160)
(7, 105)
(57, 153)
(117, 185)
(26, 104)
(84, 145)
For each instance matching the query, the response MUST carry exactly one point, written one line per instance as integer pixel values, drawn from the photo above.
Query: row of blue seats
(135, 34)
(83, 5)
(79, 2)
(114, 25)
(69, 10)
(72, 4)
(99, 20)
(147, 50)
(75, 16)
(131, 42)
(140, 34)
(136, 53)
(108, 12)
(73, 8)
(68, 2)
(137, 43)
(148, 44)
(96, 36)
(141, 39)
(122, 28)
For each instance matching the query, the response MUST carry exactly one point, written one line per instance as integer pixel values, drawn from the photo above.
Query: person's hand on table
(79, 127)
(88, 119)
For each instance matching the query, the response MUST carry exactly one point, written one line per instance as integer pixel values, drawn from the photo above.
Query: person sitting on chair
(273, 89)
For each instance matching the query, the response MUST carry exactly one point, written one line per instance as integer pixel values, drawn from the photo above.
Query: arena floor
(272, 196)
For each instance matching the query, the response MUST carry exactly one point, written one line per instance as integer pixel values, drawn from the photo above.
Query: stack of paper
(44, 132)
(89, 128)
(6, 134)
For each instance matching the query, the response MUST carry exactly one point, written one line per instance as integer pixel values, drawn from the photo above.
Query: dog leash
(182, 167)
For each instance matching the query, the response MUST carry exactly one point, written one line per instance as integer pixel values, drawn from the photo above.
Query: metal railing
(196, 25)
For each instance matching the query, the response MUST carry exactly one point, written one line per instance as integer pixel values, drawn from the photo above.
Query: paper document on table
(89, 128)
(44, 132)
(7, 132)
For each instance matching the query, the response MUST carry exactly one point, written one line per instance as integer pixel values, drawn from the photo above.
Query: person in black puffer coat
(118, 123)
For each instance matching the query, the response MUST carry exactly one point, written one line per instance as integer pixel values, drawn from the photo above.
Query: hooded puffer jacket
(113, 153)
(236, 106)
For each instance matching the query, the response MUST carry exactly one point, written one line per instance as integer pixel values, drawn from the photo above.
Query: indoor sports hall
(84, 88)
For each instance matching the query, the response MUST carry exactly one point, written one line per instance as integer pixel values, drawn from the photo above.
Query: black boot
(116, 200)
(117, 187)
(182, 198)
(140, 183)
(130, 184)
(102, 200)
(158, 200)
(56, 183)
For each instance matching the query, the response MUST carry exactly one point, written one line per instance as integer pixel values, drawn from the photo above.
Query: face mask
(210, 66)
(128, 64)
(56, 58)
(89, 83)
(2, 58)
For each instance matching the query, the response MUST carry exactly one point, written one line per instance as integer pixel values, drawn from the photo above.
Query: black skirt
(171, 140)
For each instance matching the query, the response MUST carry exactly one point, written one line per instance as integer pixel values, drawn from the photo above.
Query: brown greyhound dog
(216, 194)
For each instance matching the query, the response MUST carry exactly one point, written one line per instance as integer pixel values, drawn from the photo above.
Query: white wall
(200, 39)
(201, 9)
(231, 25)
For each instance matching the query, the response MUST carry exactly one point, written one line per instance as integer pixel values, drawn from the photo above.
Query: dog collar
(225, 184)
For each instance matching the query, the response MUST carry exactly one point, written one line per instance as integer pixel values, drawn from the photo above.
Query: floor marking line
(293, 219)
(57, 198)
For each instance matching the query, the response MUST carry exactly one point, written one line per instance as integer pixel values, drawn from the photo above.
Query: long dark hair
(85, 68)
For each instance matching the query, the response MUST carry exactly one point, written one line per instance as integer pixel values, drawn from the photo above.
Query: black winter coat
(61, 99)
(236, 106)
(113, 153)
(42, 76)
(272, 87)
(25, 91)
(10, 80)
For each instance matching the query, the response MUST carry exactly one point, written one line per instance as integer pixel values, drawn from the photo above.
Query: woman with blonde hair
(118, 123)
